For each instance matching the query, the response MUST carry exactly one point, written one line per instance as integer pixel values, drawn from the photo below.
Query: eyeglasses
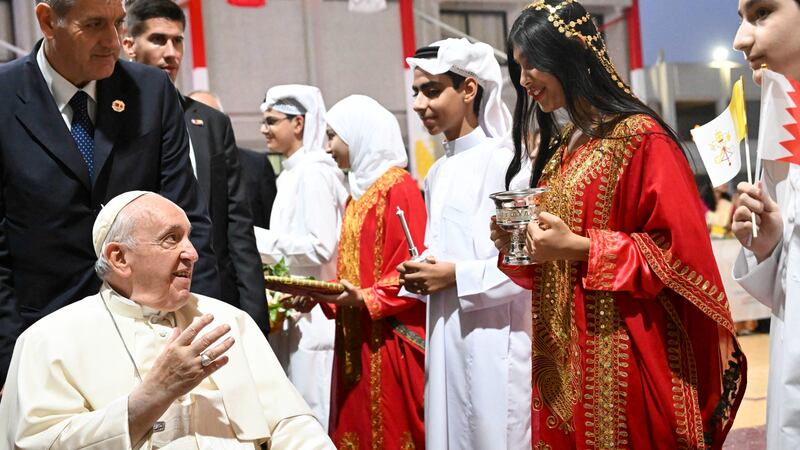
(271, 121)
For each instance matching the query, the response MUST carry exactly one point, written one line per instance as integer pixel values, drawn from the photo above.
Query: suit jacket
(219, 175)
(259, 180)
(48, 204)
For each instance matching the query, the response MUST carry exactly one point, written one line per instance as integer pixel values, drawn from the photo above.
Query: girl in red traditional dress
(379, 359)
(633, 343)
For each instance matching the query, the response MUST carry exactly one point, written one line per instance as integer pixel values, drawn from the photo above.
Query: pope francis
(145, 363)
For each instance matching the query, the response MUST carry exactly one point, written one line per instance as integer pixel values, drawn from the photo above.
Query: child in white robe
(478, 349)
(304, 230)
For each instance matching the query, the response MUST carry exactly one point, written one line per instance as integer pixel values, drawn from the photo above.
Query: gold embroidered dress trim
(348, 319)
(411, 337)
(407, 441)
(349, 441)
(682, 365)
(557, 367)
(682, 279)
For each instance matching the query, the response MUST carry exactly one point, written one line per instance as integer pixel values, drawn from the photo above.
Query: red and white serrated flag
(248, 3)
(366, 6)
(779, 128)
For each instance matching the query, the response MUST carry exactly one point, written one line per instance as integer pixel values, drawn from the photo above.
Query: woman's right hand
(499, 236)
(755, 199)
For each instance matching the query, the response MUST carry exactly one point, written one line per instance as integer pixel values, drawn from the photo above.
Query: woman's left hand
(350, 297)
(550, 239)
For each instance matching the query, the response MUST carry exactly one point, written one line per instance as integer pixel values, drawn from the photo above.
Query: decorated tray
(301, 286)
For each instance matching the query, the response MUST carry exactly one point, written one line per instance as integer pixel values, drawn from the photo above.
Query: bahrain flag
(779, 128)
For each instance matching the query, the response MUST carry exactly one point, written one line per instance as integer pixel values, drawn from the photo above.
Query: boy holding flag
(769, 265)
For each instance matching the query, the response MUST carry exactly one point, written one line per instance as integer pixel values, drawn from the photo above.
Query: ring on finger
(205, 360)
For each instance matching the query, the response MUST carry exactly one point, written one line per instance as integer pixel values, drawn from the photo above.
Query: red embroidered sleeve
(520, 275)
(381, 298)
(616, 264)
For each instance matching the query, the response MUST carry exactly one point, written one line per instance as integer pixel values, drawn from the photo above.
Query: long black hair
(595, 101)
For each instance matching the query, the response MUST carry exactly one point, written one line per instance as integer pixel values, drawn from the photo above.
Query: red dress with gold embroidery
(634, 348)
(379, 360)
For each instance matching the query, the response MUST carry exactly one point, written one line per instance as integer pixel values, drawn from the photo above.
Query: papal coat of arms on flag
(723, 146)
(718, 141)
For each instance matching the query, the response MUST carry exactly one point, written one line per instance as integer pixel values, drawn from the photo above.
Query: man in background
(155, 37)
(258, 176)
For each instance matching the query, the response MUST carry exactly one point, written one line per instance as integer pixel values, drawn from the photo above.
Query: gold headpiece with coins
(570, 30)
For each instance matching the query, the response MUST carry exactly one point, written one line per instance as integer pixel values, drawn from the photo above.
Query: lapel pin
(118, 105)
(198, 122)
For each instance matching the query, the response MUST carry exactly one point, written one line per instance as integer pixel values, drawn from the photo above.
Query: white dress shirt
(63, 91)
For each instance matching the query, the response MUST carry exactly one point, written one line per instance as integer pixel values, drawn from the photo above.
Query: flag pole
(750, 177)
(747, 157)
(759, 165)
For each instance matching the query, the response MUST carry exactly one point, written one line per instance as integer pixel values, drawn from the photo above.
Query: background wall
(320, 42)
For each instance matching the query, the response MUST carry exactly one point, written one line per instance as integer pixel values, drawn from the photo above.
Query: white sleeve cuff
(759, 279)
(481, 284)
(469, 277)
(265, 243)
(404, 293)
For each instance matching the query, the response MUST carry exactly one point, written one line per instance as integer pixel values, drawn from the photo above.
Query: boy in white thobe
(478, 349)
(769, 265)
(304, 229)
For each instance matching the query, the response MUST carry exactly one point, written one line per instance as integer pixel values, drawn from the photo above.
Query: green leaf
(279, 269)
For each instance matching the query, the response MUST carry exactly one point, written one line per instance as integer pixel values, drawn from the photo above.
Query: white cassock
(776, 283)
(478, 352)
(305, 223)
(70, 377)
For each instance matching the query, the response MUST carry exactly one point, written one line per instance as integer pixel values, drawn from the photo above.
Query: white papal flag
(718, 141)
(366, 6)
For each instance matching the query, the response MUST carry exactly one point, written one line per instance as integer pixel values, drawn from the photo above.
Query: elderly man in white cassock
(146, 364)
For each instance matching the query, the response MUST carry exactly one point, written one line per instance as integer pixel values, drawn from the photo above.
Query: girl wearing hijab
(379, 370)
(633, 342)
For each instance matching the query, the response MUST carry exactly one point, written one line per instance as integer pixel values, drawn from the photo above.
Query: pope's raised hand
(182, 365)
(179, 368)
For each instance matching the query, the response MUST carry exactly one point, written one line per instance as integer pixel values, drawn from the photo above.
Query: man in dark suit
(155, 37)
(259, 179)
(77, 128)
(258, 176)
